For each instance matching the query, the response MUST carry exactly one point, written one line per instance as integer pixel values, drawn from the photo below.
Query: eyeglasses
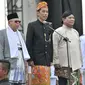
(17, 21)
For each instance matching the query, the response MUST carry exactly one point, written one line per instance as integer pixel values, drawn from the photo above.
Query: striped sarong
(17, 75)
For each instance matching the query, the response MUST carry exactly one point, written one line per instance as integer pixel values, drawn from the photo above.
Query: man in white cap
(12, 48)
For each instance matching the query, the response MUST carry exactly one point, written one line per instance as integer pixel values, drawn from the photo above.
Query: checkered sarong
(17, 75)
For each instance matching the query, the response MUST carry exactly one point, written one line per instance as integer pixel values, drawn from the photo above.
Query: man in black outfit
(39, 38)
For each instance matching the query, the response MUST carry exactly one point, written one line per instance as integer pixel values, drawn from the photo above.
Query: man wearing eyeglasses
(12, 48)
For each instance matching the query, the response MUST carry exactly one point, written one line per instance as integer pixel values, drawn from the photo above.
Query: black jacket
(39, 43)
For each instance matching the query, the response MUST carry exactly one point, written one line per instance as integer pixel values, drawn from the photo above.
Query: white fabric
(29, 69)
(24, 49)
(52, 70)
(13, 39)
(18, 74)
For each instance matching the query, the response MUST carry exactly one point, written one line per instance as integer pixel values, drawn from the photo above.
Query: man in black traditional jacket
(39, 38)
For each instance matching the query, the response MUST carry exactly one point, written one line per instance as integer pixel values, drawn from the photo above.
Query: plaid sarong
(17, 75)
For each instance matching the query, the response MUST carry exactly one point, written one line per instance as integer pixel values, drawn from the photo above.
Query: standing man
(4, 70)
(82, 39)
(13, 48)
(60, 57)
(39, 38)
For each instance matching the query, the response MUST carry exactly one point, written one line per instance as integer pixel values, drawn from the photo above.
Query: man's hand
(57, 66)
(31, 63)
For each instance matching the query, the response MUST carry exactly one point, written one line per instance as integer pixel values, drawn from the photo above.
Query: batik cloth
(41, 75)
(73, 76)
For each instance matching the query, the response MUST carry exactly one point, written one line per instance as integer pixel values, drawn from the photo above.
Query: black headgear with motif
(12, 16)
(66, 14)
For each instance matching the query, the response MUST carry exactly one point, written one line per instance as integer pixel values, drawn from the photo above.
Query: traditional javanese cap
(66, 14)
(42, 4)
(13, 16)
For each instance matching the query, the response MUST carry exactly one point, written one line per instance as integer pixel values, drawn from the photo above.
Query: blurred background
(26, 9)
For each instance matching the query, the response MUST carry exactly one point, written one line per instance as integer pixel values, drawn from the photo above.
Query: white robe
(15, 40)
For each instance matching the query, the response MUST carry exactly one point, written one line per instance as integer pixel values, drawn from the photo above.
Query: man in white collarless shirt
(62, 52)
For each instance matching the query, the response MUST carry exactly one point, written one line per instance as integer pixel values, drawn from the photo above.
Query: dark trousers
(16, 84)
(62, 81)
